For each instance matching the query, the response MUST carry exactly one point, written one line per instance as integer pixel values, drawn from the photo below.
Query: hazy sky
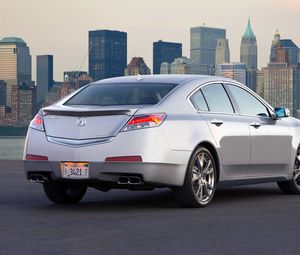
(60, 27)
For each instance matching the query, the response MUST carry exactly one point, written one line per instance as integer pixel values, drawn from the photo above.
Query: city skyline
(46, 33)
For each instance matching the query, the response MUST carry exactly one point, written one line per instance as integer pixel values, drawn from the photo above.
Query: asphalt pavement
(255, 219)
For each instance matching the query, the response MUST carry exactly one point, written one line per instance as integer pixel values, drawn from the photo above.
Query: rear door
(230, 131)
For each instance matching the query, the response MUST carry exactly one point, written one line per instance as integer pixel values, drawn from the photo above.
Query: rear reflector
(124, 159)
(145, 121)
(36, 157)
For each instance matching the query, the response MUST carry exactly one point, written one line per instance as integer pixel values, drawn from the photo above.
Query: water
(11, 147)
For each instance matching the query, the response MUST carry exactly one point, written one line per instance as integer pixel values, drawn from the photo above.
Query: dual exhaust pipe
(130, 180)
(38, 178)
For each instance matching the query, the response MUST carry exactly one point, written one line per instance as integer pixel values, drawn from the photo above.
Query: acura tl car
(190, 133)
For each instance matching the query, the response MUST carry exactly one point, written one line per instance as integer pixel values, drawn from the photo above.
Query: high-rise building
(107, 54)
(23, 107)
(181, 65)
(44, 76)
(279, 82)
(165, 52)
(248, 55)
(293, 52)
(2, 93)
(15, 64)
(137, 66)
(222, 51)
(83, 80)
(203, 42)
(72, 76)
(278, 85)
(235, 71)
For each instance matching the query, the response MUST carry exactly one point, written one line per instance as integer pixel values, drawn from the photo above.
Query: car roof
(160, 78)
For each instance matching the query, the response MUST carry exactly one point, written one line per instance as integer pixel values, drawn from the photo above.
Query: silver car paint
(245, 153)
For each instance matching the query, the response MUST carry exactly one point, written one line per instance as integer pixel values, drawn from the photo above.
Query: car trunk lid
(85, 122)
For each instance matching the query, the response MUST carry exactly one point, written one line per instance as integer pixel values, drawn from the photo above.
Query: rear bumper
(160, 165)
(151, 173)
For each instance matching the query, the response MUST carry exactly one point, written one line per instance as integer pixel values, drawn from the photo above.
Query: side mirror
(282, 112)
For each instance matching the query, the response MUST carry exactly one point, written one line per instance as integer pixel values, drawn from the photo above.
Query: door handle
(255, 124)
(216, 122)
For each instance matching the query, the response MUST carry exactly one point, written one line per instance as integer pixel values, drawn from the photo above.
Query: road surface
(256, 219)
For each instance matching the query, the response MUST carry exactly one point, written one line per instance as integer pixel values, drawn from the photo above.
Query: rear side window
(121, 94)
(217, 98)
(198, 101)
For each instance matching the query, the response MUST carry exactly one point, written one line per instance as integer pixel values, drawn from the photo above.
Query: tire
(292, 186)
(200, 180)
(64, 193)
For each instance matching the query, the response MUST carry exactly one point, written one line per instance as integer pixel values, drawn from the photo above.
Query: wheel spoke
(205, 189)
(199, 190)
(208, 168)
(209, 186)
(200, 160)
(296, 175)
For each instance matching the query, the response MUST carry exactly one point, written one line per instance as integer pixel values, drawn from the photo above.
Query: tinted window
(217, 98)
(198, 101)
(247, 103)
(121, 94)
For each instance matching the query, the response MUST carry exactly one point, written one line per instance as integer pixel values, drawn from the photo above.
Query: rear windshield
(121, 94)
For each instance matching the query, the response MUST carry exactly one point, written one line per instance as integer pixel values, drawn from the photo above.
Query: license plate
(75, 170)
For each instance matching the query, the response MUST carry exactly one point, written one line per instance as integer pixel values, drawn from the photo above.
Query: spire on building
(249, 32)
(276, 40)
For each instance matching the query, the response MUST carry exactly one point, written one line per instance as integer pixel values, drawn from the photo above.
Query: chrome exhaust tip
(38, 178)
(135, 180)
(123, 180)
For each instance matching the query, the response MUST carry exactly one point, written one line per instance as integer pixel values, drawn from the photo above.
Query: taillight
(35, 157)
(37, 122)
(145, 121)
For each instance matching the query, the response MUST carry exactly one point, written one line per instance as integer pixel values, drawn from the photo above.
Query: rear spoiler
(86, 113)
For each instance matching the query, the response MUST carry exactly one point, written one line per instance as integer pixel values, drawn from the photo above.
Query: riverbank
(13, 131)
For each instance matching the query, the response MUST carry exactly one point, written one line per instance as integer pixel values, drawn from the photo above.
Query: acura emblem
(81, 122)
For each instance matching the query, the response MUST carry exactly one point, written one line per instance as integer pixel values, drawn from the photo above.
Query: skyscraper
(107, 54)
(203, 42)
(235, 71)
(137, 66)
(279, 83)
(222, 51)
(2, 93)
(44, 76)
(165, 52)
(181, 65)
(15, 64)
(248, 55)
(292, 50)
(73, 76)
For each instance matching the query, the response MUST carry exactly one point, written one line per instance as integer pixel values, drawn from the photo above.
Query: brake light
(145, 121)
(124, 159)
(35, 157)
(37, 122)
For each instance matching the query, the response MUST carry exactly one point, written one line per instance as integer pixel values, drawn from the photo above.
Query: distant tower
(66, 78)
(137, 66)
(203, 44)
(15, 64)
(107, 54)
(222, 51)
(44, 76)
(279, 82)
(248, 55)
(165, 52)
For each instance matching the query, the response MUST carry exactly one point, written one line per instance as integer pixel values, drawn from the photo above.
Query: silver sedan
(187, 132)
